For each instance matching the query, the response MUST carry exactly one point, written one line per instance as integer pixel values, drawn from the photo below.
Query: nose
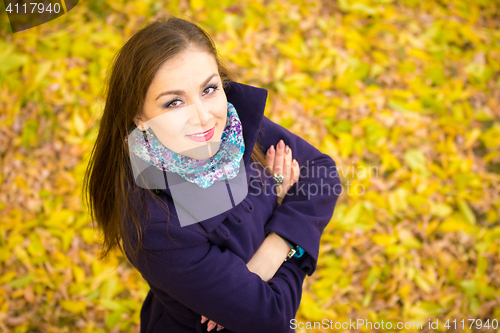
(203, 114)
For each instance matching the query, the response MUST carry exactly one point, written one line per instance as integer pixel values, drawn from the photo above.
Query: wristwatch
(293, 248)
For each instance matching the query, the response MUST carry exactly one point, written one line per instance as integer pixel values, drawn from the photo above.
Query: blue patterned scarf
(225, 164)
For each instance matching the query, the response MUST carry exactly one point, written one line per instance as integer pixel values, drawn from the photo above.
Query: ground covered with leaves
(404, 95)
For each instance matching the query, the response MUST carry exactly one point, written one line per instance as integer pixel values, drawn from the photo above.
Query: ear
(140, 124)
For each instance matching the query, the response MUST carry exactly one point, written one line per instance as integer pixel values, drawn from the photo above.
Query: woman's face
(186, 106)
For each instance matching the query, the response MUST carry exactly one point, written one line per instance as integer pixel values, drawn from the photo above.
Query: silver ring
(278, 179)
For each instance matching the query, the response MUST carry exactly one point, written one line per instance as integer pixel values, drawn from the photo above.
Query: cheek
(222, 115)
(219, 104)
(221, 112)
(170, 131)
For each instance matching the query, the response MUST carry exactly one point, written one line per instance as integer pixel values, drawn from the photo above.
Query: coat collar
(249, 103)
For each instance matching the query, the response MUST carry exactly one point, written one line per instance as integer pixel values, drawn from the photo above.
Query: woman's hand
(280, 162)
(211, 324)
(265, 263)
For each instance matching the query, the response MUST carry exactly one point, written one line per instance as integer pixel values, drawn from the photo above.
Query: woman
(233, 260)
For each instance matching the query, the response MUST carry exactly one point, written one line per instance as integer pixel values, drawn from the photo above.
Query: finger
(219, 327)
(287, 165)
(203, 319)
(286, 170)
(278, 159)
(295, 171)
(211, 324)
(270, 157)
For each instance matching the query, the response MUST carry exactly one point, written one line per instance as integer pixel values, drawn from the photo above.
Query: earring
(148, 134)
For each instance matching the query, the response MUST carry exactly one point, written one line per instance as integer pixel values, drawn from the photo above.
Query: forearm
(269, 257)
(309, 204)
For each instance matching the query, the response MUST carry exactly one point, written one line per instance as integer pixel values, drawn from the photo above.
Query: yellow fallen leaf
(73, 306)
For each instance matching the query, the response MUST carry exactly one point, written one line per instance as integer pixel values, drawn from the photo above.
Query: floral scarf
(225, 164)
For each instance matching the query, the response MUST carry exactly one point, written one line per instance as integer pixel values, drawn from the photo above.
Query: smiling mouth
(202, 134)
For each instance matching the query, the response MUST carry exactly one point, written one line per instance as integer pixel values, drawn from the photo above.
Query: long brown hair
(107, 185)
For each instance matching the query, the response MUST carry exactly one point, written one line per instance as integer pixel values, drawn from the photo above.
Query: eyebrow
(180, 92)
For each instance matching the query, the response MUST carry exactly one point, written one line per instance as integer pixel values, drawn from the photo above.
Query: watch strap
(293, 248)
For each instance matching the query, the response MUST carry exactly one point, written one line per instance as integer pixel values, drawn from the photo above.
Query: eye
(172, 103)
(213, 86)
(176, 102)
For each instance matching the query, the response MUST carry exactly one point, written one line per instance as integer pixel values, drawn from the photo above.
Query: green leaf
(22, 281)
(110, 304)
(353, 214)
(441, 210)
(466, 211)
(469, 286)
(13, 62)
(42, 71)
(416, 160)
(432, 308)
(30, 131)
(287, 122)
(113, 318)
(436, 74)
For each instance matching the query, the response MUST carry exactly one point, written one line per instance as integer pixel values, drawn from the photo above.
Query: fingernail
(287, 149)
(203, 319)
(271, 149)
(210, 326)
(281, 144)
(294, 161)
(219, 327)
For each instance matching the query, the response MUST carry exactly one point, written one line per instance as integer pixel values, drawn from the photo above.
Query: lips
(204, 133)
(202, 136)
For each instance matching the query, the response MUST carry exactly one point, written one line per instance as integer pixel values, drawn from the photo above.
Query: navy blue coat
(201, 268)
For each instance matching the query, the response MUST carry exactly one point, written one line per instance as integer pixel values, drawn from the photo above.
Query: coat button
(235, 219)
(247, 206)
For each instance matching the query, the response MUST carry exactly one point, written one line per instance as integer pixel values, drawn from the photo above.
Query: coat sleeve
(216, 282)
(309, 204)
